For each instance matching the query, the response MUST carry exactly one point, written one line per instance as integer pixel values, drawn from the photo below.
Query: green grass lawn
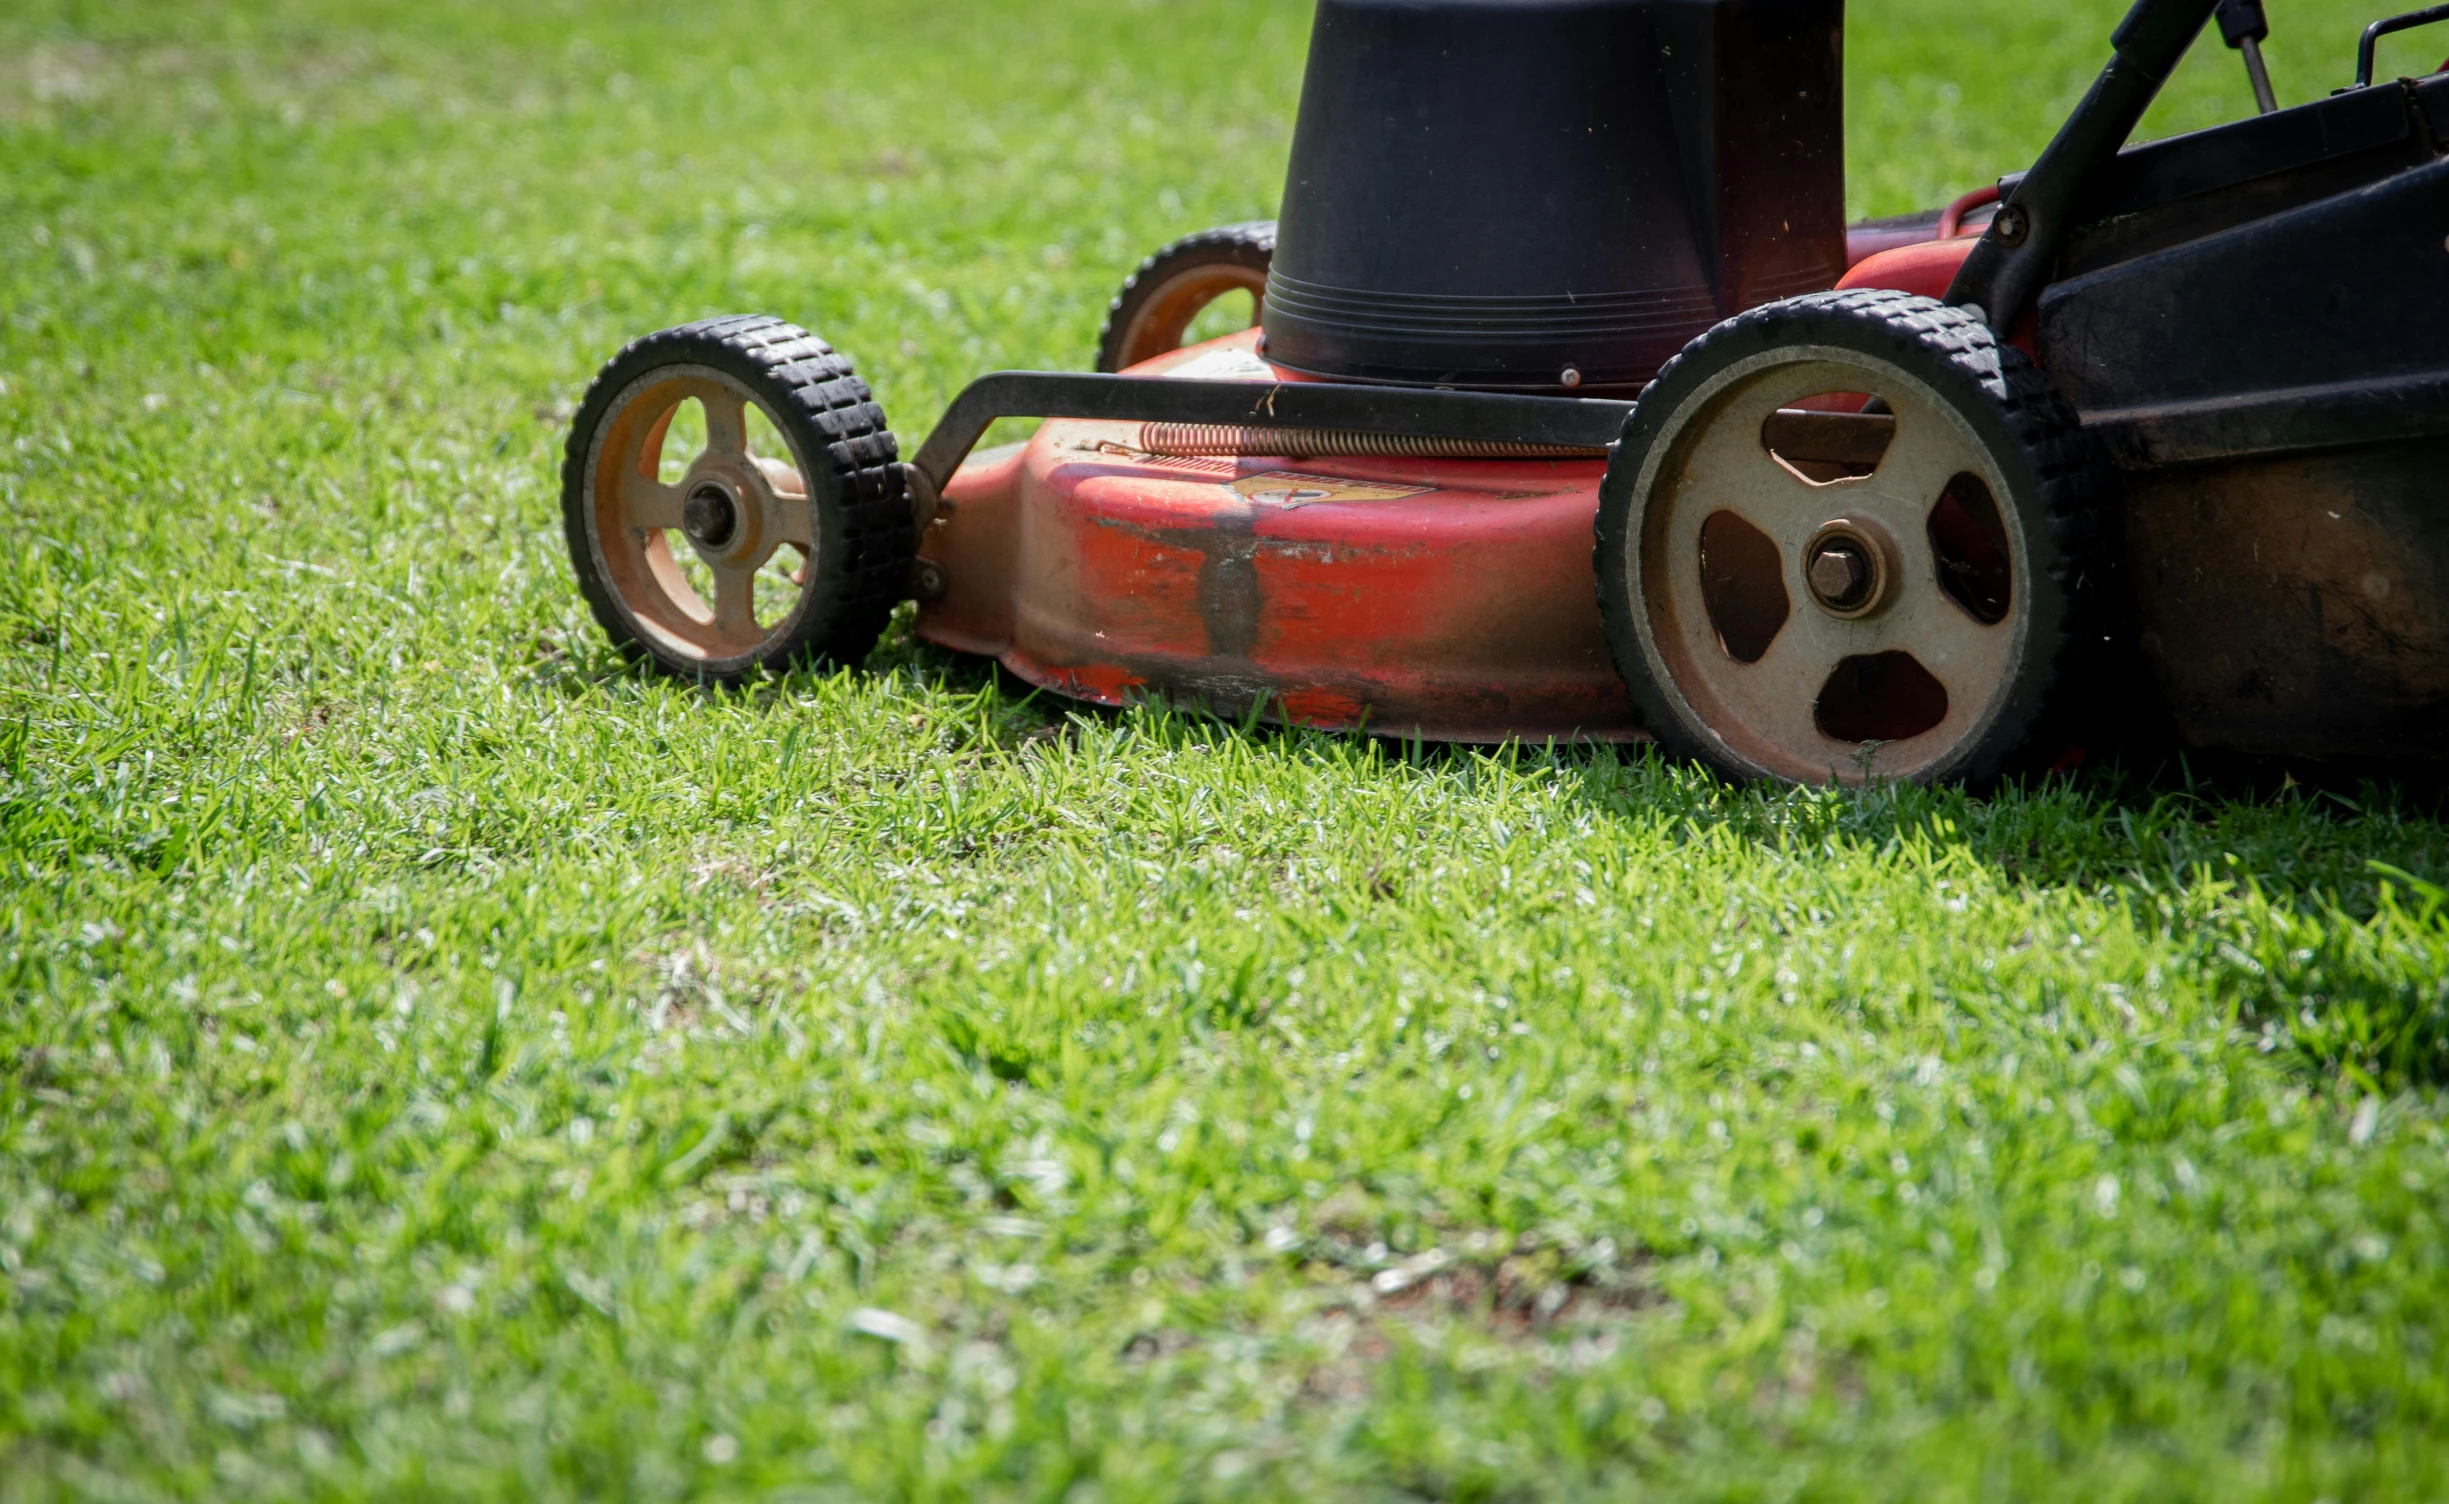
(436, 1061)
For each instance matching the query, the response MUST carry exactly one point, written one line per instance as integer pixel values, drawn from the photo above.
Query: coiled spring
(1193, 440)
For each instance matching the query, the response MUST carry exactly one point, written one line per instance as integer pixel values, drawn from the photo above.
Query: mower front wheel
(770, 529)
(1853, 536)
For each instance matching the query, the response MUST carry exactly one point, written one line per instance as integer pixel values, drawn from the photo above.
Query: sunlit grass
(438, 1061)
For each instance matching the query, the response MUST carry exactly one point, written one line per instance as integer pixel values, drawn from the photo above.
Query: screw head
(710, 517)
(1571, 377)
(1840, 574)
(2010, 224)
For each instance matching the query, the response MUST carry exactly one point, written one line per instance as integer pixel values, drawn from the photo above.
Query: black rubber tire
(2063, 503)
(865, 534)
(1251, 247)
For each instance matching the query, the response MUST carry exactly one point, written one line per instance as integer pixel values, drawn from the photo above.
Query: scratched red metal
(1926, 268)
(1456, 602)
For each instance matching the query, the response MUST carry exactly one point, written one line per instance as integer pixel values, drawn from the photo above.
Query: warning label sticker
(1228, 364)
(1291, 488)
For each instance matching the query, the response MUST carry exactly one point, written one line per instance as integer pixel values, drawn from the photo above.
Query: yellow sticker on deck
(1292, 488)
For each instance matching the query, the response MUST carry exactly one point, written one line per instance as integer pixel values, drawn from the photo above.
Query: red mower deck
(1446, 599)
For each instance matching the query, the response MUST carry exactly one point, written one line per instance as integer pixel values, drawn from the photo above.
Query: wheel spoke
(1964, 655)
(1778, 694)
(783, 476)
(1730, 470)
(650, 503)
(726, 423)
(1925, 455)
(787, 516)
(1967, 658)
(735, 597)
(650, 452)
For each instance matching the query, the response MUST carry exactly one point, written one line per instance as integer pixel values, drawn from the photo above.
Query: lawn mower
(2149, 430)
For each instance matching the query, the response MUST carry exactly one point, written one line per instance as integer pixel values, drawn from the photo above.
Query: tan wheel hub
(1850, 566)
(1826, 569)
(711, 517)
(694, 563)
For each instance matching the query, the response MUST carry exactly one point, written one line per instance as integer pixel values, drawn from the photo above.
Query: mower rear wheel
(733, 559)
(1852, 536)
(1159, 302)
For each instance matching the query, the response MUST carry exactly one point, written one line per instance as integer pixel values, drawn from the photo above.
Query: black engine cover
(1487, 193)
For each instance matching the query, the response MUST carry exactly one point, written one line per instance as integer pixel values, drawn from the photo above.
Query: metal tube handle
(2007, 268)
(2379, 29)
(1480, 417)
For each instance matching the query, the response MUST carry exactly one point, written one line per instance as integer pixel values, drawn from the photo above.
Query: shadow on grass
(2309, 893)
(2300, 831)
(2307, 898)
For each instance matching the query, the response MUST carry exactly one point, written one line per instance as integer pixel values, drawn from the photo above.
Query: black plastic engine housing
(1497, 193)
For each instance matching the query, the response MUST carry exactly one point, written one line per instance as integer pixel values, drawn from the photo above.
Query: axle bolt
(710, 516)
(1841, 574)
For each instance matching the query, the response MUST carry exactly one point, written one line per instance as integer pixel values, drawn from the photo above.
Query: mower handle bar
(2004, 272)
(1564, 422)
(2379, 29)
(2009, 265)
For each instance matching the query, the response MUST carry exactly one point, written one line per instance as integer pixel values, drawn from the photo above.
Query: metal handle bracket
(2373, 34)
